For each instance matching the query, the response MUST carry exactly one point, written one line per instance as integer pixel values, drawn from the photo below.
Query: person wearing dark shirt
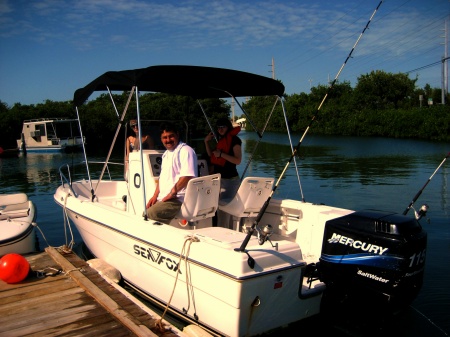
(226, 156)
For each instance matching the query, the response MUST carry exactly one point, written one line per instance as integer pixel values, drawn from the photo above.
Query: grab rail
(68, 181)
(64, 178)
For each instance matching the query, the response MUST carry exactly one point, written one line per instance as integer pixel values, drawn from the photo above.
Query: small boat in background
(17, 216)
(50, 135)
(241, 122)
(8, 153)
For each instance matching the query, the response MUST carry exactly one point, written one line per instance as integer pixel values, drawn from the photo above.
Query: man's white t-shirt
(181, 162)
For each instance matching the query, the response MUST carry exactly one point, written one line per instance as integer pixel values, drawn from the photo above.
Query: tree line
(380, 104)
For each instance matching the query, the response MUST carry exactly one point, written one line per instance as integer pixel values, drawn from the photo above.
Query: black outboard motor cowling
(373, 261)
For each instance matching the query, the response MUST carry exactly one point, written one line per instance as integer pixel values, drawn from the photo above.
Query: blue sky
(50, 48)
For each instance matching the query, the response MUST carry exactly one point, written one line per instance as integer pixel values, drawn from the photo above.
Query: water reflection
(329, 162)
(353, 172)
(41, 170)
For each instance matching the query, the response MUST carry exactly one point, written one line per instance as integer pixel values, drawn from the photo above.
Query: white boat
(241, 122)
(17, 216)
(50, 135)
(269, 262)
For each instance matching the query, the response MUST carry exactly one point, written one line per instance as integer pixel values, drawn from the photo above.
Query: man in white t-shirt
(179, 165)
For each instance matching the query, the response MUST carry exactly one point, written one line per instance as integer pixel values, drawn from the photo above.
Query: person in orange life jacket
(226, 155)
(133, 143)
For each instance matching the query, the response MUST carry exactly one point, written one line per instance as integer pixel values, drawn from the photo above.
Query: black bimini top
(195, 81)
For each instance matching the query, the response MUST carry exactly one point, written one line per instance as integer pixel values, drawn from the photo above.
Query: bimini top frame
(195, 81)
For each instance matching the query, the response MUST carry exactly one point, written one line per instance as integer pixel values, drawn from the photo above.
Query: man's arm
(180, 184)
(153, 199)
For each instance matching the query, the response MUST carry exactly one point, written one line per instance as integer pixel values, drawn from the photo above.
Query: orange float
(14, 268)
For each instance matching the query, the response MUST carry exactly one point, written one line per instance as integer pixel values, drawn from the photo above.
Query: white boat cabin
(50, 135)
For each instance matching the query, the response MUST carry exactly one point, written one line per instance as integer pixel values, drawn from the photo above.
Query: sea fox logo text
(364, 246)
(156, 256)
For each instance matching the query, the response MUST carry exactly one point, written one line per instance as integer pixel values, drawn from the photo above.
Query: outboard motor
(372, 263)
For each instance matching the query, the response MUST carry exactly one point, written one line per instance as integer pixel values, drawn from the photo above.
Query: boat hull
(17, 216)
(23, 243)
(226, 295)
(51, 149)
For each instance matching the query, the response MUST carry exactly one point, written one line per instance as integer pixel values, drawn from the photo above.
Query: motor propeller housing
(374, 256)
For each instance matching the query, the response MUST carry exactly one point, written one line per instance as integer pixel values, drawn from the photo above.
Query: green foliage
(99, 119)
(260, 108)
(381, 90)
(381, 104)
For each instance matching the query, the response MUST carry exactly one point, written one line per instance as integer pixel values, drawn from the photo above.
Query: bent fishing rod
(266, 233)
(421, 190)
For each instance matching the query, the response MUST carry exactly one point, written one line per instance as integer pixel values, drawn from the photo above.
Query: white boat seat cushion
(250, 197)
(13, 199)
(13, 206)
(201, 199)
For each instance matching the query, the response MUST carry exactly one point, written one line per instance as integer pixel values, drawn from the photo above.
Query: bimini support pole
(115, 136)
(248, 117)
(207, 120)
(266, 204)
(138, 113)
(260, 134)
(84, 153)
(292, 149)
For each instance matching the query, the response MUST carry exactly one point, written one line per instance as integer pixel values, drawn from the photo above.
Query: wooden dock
(77, 301)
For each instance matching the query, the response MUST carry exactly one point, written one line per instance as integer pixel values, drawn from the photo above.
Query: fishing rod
(424, 208)
(264, 235)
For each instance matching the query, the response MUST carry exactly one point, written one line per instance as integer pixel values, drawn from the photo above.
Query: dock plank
(75, 302)
(101, 326)
(35, 293)
(58, 301)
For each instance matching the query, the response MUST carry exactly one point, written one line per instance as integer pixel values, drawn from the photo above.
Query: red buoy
(13, 268)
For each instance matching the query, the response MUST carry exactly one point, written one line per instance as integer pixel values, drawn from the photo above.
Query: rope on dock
(50, 271)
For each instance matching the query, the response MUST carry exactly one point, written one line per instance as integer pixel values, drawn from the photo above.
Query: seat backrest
(250, 197)
(201, 199)
(12, 199)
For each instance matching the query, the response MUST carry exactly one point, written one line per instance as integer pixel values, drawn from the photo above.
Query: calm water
(353, 173)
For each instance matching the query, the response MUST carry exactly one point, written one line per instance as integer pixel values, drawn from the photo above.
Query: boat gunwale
(258, 274)
(19, 237)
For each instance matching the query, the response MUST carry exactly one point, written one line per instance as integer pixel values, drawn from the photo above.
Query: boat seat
(14, 206)
(13, 199)
(13, 215)
(201, 199)
(249, 198)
